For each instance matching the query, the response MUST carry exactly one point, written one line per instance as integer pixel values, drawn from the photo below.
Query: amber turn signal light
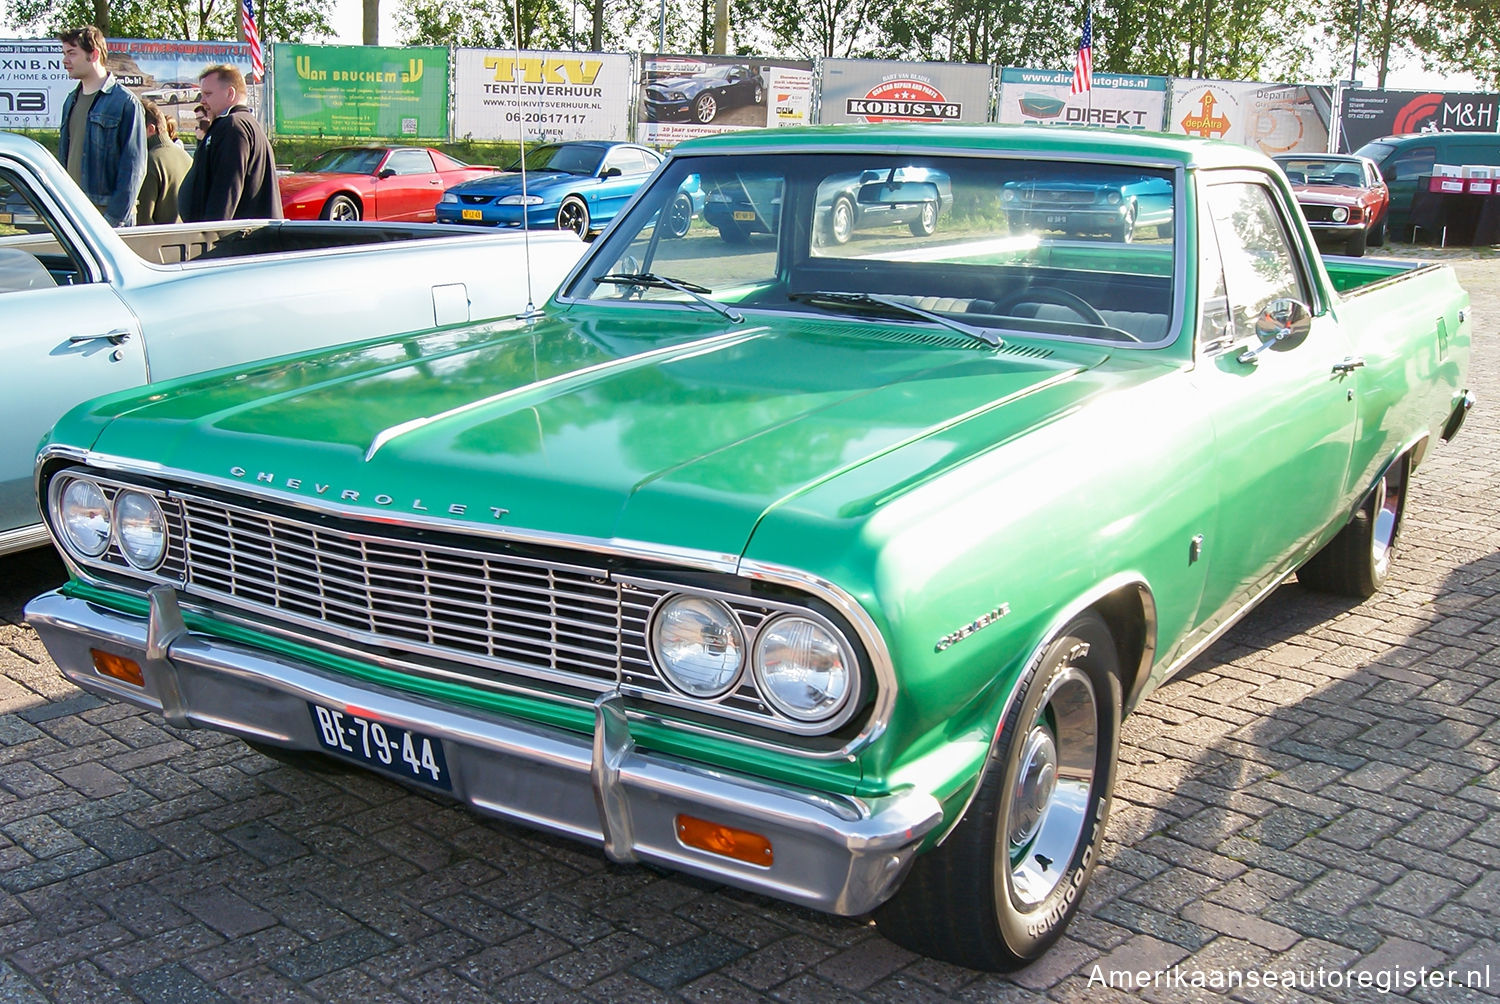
(726, 841)
(118, 667)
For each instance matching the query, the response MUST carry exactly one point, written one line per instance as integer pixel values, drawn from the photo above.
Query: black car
(702, 95)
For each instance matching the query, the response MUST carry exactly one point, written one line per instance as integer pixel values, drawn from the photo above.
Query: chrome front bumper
(832, 853)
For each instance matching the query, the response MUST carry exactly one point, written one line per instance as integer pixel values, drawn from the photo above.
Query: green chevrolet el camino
(823, 569)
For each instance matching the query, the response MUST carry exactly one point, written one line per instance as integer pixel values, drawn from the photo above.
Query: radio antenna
(530, 313)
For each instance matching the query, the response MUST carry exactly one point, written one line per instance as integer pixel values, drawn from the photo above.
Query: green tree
(178, 19)
(545, 24)
(1455, 36)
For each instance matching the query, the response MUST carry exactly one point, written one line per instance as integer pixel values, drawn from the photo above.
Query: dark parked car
(703, 95)
(1116, 207)
(857, 200)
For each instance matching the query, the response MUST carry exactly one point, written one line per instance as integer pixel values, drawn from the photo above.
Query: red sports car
(373, 183)
(1343, 197)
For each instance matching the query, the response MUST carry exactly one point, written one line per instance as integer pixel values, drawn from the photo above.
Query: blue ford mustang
(577, 186)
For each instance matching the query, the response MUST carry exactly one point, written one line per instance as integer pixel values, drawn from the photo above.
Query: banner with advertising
(1369, 114)
(361, 91)
(1118, 100)
(33, 82)
(550, 95)
(1271, 118)
(681, 97)
(879, 90)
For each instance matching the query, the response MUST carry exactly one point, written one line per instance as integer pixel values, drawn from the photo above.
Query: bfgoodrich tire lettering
(1009, 878)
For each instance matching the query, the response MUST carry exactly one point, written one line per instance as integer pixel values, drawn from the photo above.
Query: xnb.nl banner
(363, 91)
(544, 95)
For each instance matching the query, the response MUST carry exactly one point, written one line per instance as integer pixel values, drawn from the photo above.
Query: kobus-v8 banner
(878, 90)
(362, 91)
(547, 95)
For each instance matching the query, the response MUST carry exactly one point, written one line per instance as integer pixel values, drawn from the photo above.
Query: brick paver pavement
(1320, 797)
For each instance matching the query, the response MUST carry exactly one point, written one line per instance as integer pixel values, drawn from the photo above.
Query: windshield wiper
(663, 282)
(836, 297)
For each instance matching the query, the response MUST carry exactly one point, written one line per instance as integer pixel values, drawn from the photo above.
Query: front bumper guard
(836, 854)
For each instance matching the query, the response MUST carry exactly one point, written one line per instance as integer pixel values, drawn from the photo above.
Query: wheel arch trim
(1111, 598)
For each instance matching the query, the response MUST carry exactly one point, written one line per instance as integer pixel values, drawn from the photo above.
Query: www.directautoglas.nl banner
(361, 91)
(879, 90)
(1274, 118)
(550, 95)
(686, 96)
(1118, 100)
(33, 83)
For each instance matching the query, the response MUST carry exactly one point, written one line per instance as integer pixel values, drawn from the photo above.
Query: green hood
(581, 426)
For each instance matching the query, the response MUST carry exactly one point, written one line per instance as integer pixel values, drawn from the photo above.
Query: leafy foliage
(179, 19)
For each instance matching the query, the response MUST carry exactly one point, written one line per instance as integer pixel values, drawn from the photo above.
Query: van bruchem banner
(1271, 118)
(361, 91)
(1370, 114)
(547, 95)
(33, 82)
(686, 96)
(879, 90)
(1118, 100)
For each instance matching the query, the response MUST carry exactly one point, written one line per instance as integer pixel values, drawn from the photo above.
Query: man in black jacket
(234, 173)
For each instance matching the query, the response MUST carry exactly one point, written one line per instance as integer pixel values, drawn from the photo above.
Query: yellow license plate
(473, 214)
(740, 214)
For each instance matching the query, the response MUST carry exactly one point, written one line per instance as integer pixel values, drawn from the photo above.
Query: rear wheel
(573, 215)
(1358, 560)
(734, 233)
(841, 220)
(1004, 885)
(680, 216)
(926, 224)
(341, 207)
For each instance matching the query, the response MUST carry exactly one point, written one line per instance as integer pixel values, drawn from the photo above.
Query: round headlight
(1340, 214)
(698, 645)
(1007, 195)
(140, 529)
(83, 514)
(1113, 198)
(802, 669)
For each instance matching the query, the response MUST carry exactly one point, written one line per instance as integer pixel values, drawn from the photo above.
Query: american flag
(1083, 68)
(247, 22)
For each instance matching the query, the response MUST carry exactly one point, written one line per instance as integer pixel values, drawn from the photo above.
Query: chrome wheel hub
(1386, 507)
(1050, 790)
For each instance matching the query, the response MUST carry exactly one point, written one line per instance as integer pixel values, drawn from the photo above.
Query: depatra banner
(1271, 118)
(1118, 100)
(498, 94)
(361, 91)
(878, 90)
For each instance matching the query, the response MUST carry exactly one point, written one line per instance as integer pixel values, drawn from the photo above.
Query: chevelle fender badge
(353, 495)
(978, 624)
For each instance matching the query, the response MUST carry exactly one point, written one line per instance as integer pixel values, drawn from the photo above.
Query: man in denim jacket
(103, 145)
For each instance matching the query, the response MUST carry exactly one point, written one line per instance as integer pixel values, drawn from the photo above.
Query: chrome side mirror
(1284, 324)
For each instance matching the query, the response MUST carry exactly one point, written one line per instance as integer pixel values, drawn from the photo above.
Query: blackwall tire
(1358, 561)
(573, 215)
(341, 208)
(1004, 885)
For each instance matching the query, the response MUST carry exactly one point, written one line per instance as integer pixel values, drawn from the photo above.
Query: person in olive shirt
(166, 165)
(102, 141)
(234, 171)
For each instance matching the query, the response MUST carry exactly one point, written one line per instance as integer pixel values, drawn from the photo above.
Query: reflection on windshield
(1051, 248)
(565, 158)
(350, 161)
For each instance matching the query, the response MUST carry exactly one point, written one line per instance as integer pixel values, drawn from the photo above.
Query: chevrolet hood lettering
(595, 424)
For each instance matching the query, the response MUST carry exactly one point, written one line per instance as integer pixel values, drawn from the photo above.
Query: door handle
(118, 336)
(1349, 364)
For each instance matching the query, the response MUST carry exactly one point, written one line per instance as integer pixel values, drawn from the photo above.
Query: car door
(614, 190)
(411, 188)
(1282, 413)
(66, 337)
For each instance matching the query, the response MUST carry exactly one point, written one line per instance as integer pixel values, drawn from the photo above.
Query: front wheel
(841, 220)
(680, 216)
(1358, 560)
(573, 215)
(1004, 885)
(1377, 235)
(1355, 247)
(341, 207)
(705, 108)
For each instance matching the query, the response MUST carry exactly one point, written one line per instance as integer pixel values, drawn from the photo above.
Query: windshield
(1055, 248)
(349, 160)
(1323, 170)
(1376, 151)
(565, 158)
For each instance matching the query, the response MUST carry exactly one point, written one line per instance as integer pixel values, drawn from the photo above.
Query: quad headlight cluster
(87, 521)
(800, 665)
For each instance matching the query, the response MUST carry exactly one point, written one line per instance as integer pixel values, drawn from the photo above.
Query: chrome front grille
(423, 597)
